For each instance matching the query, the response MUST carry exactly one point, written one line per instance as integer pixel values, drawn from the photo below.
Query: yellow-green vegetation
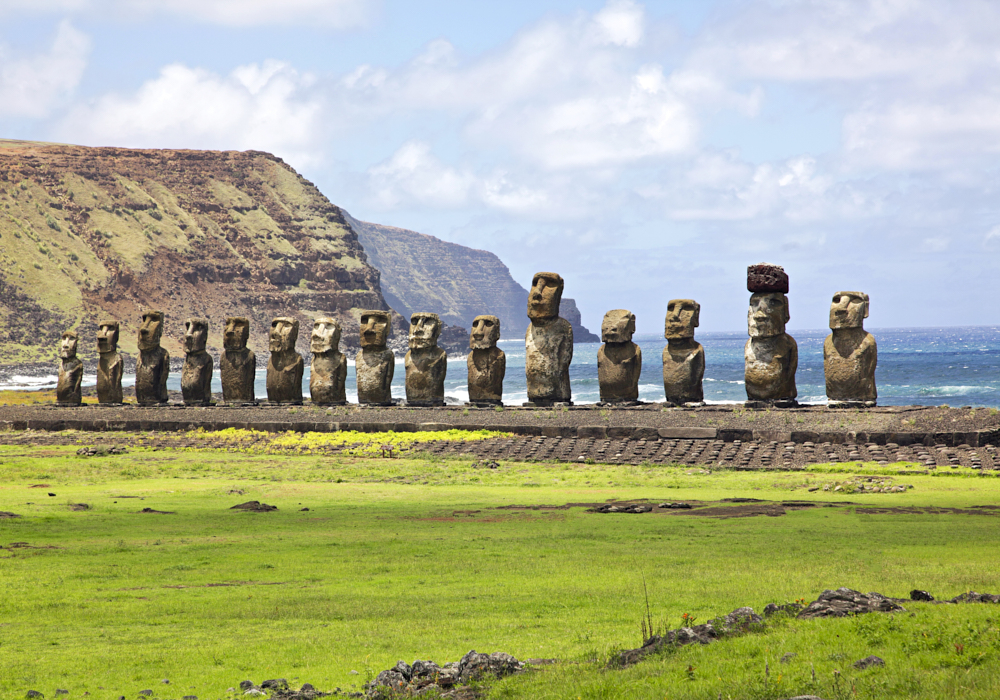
(360, 444)
(428, 558)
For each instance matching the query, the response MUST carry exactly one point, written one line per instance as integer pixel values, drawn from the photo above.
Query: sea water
(916, 366)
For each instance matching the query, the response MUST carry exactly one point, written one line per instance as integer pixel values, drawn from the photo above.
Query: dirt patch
(740, 511)
(255, 507)
(7, 514)
(929, 510)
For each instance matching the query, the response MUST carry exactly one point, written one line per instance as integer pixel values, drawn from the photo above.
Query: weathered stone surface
(683, 357)
(68, 389)
(739, 620)
(548, 343)
(487, 364)
(110, 367)
(844, 601)
(328, 372)
(196, 377)
(426, 363)
(285, 367)
(868, 662)
(619, 360)
(850, 353)
(153, 365)
(427, 676)
(375, 364)
(973, 597)
(238, 364)
(917, 594)
(771, 355)
(767, 278)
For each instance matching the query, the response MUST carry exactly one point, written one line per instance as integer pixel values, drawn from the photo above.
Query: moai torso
(153, 365)
(328, 372)
(548, 343)
(110, 366)
(196, 377)
(375, 364)
(426, 364)
(238, 364)
(285, 367)
(683, 357)
(68, 389)
(487, 364)
(850, 353)
(619, 360)
(771, 356)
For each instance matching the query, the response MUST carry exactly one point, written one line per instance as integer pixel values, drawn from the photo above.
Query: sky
(644, 150)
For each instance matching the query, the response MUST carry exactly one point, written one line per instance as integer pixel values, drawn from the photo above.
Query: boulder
(844, 601)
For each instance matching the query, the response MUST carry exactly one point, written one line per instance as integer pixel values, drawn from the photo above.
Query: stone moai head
(424, 330)
(107, 336)
(325, 335)
(545, 295)
(848, 310)
(151, 330)
(375, 327)
(284, 334)
(768, 314)
(682, 319)
(618, 326)
(485, 332)
(195, 335)
(237, 333)
(67, 347)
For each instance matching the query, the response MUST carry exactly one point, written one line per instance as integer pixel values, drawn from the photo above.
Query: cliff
(424, 273)
(94, 233)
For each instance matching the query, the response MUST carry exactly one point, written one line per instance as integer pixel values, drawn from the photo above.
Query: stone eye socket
(487, 324)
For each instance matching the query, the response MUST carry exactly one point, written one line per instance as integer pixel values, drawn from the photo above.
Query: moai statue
(375, 363)
(285, 366)
(426, 364)
(771, 355)
(68, 391)
(238, 364)
(153, 365)
(619, 360)
(684, 357)
(110, 367)
(487, 363)
(196, 377)
(850, 352)
(329, 366)
(548, 343)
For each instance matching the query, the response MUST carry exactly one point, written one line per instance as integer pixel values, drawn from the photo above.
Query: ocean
(916, 366)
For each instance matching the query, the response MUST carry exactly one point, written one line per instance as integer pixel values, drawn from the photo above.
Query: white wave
(954, 390)
(724, 381)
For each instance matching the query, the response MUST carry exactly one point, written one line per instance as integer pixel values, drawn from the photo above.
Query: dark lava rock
(844, 601)
(916, 594)
(764, 277)
(787, 608)
(246, 685)
(190, 697)
(158, 512)
(474, 665)
(672, 506)
(739, 620)
(275, 684)
(33, 694)
(423, 676)
(146, 692)
(424, 669)
(868, 662)
(255, 507)
(973, 597)
(6, 514)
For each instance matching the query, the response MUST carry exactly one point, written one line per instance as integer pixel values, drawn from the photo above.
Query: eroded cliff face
(424, 273)
(94, 233)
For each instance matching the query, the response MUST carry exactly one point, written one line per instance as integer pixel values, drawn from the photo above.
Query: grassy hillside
(93, 233)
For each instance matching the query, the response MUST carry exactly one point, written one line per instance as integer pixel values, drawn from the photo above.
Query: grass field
(423, 558)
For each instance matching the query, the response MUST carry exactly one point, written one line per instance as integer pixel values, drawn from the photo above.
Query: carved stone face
(325, 335)
(618, 326)
(151, 330)
(67, 348)
(424, 330)
(485, 332)
(284, 333)
(374, 329)
(107, 336)
(237, 333)
(768, 314)
(195, 334)
(848, 310)
(545, 295)
(682, 319)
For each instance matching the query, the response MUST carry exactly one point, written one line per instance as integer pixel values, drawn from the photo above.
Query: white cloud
(336, 14)
(620, 22)
(32, 85)
(414, 174)
(265, 106)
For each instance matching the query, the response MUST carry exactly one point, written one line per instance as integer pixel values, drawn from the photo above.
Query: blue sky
(645, 151)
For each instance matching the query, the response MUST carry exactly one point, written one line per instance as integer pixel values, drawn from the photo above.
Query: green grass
(416, 558)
